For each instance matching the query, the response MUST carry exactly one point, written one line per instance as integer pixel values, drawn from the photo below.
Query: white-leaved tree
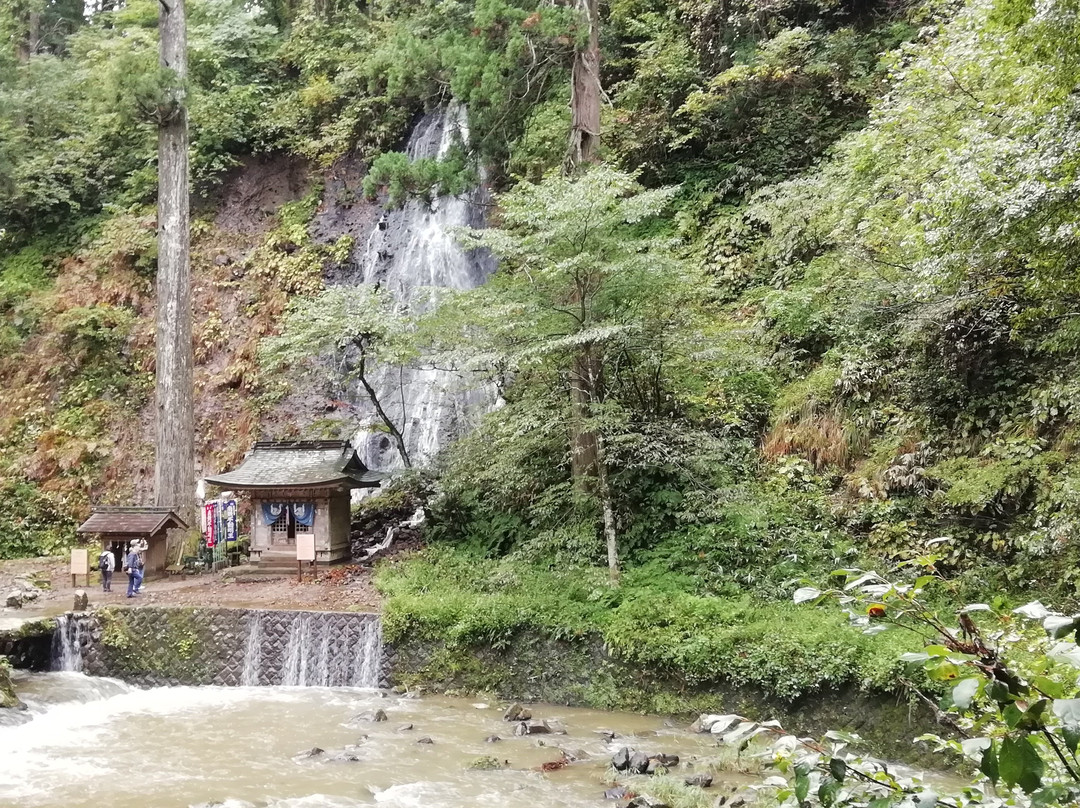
(346, 331)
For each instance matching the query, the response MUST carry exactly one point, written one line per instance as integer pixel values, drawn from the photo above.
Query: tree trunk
(391, 427)
(586, 448)
(582, 151)
(584, 376)
(585, 95)
(27, 45)
(604, 495)
(174, 469)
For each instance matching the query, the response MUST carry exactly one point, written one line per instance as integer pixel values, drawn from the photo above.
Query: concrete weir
(195, 646)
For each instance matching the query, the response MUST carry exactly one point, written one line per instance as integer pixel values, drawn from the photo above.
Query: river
(99, 742)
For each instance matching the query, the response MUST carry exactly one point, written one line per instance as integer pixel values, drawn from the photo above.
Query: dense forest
(811, 305)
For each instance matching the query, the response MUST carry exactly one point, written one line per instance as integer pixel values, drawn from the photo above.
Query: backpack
(103, 562)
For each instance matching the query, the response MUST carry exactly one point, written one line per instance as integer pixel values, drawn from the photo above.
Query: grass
(657, 623)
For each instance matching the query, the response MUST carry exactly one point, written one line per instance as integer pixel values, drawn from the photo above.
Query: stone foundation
(153, 646)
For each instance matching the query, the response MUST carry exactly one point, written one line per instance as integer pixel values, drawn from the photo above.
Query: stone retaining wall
(29, 646)
(196, 646)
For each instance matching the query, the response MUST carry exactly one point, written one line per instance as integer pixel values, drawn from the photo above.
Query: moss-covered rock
(8, 699)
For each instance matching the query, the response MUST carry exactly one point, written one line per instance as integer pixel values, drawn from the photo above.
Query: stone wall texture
(196, 646)
(29, 646)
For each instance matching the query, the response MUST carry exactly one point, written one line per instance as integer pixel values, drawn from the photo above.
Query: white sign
(80, 561)
(305, 548)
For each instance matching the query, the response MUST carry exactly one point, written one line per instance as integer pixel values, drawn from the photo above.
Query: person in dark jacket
(107, 564)
(133, 567)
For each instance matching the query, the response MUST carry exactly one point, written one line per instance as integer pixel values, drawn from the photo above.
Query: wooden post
(299, 571)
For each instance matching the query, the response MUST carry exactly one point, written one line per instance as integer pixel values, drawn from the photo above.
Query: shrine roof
(315, 463)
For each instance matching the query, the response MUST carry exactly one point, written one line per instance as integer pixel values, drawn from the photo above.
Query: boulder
(617, 793)
(606, 734)
(620, 761)
(492, 739)
(515, 712)
(310, 753)
(699, 780)
(716, 724)
(30, 593)
(8, 699)
(371, 715)
(344, 757)
(81, 600)
(555, 726)
(222, 260)
(405, 728)
(425, 740)
(645, 801)
(741, 798)
(15, 599)
(639, 763)
(667, 761)
(532, 728)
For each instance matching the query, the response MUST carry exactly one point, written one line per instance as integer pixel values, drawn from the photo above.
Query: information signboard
(305, 548)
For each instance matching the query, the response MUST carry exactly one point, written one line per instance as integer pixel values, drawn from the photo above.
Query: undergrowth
(657, 623)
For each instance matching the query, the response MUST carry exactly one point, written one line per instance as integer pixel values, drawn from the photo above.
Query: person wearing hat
(141, 548)
(133, 566)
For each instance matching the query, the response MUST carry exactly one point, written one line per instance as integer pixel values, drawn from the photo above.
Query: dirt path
(339, 589)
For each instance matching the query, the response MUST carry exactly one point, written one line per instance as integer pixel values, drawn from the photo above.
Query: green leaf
(1013, 715)
(999, 692)
(1049, 687)
(914, 657)
(942, 670)
(802, 786)
(964, 692)
(805, 593)
(1020, 764)
(989, 763)
(838, 769)
(827, 792)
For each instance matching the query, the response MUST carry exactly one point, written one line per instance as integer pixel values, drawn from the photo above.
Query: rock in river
(639, 763)
(515, 712)
(620, 761)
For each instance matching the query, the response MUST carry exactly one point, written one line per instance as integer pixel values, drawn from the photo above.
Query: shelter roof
(315, 463)
(130, 521)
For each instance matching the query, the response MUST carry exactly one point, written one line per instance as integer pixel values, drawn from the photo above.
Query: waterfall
(67, 643)
(253, 650)
(312, 649)
(407, 251)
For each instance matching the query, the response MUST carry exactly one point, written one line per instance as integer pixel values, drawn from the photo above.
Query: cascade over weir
(163, 646)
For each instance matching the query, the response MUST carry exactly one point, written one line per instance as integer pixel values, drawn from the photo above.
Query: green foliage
(424, 178)
(651, 621)
(1008, 691)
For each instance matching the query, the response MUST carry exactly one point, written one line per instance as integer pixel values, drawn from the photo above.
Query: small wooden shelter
(299, 488)
(116, 527)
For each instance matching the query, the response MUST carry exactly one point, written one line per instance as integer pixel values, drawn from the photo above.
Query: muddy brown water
(99, 742)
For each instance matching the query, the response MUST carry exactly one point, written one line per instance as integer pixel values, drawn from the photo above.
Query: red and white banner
(210, 523)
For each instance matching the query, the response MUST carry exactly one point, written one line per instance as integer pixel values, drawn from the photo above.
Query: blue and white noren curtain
(304, 513)
(271, 511)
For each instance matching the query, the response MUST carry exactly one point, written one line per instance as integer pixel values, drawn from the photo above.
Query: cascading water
(312, 649)
(67, 643)
(409, 250)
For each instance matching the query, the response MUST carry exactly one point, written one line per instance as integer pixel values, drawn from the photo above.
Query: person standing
(140, 567)
(131, 567)
(107, 564)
